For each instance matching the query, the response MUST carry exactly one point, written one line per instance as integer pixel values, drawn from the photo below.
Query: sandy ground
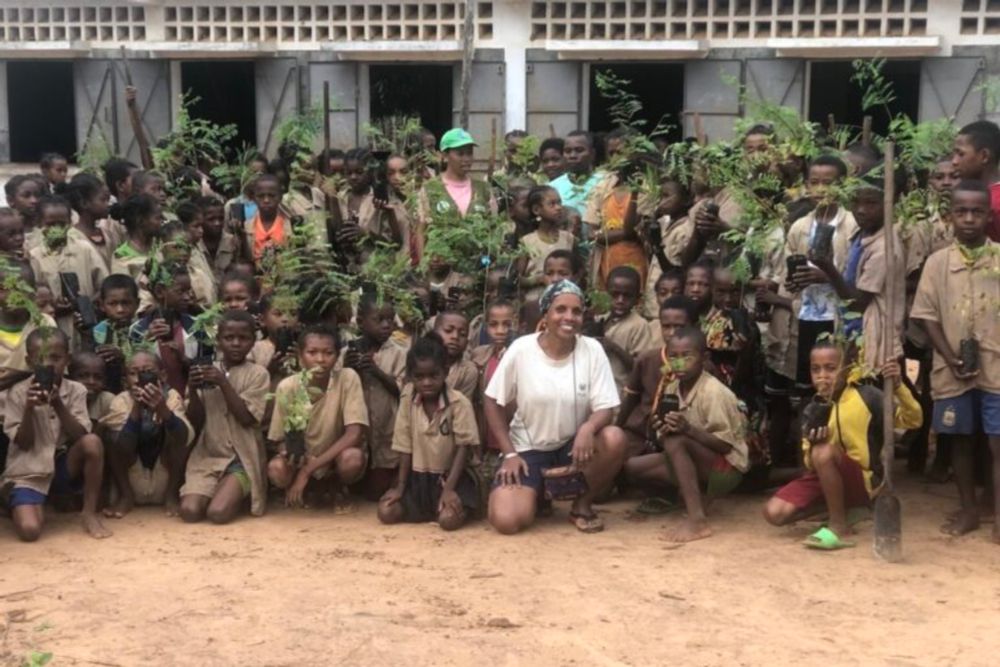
(310, 588)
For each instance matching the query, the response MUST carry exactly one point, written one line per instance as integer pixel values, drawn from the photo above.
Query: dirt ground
(310, 588)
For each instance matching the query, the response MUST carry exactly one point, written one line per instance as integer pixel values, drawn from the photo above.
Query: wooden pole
(699, 130)
(831, 123)
(866, 135)
(552, 130)
(326, 119)
(493, 151)
(468, 51)
(888, 521)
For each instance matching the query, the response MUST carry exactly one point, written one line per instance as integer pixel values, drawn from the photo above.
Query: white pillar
(516, 88)
(4, 115)
(512, 28)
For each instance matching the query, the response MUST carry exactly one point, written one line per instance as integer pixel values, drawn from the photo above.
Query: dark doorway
(831, 91)
(225, 93)
(41, 109)
(659, 87)
(413, 90)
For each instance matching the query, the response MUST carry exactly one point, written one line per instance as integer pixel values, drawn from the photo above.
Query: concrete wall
(538, 53)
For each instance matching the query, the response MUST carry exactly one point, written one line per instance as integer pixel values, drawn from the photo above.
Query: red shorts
(806, 491)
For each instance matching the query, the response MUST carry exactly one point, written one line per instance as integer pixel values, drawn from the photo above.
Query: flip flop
(825, 539)
(586, 523)
(655, 505)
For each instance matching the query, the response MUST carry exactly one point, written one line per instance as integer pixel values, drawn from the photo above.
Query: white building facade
(533, 60)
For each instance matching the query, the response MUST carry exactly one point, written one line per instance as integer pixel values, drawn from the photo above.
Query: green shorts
(237, 470)
(722, 479)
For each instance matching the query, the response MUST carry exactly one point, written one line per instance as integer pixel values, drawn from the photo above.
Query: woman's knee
(614, 441)
(507, 517)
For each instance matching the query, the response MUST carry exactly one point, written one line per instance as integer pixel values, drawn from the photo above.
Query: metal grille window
(980, 17)
(297, 22)
(43, 22)
(726, 19)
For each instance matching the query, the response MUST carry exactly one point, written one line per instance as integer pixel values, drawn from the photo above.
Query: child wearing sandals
(435, 429)
(842, 458)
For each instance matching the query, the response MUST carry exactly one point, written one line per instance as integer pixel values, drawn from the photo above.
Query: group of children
(115, 392)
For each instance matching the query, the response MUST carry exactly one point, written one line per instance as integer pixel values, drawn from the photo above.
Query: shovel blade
(888, 528)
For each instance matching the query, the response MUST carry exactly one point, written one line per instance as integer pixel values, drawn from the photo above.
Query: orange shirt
(265, 238)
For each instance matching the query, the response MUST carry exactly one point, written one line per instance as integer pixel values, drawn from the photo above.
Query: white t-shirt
(548, 391)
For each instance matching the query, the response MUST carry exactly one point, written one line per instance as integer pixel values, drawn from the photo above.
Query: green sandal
(825, 539)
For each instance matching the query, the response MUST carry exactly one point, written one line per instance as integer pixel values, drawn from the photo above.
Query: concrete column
(512, 29)
(4, 115)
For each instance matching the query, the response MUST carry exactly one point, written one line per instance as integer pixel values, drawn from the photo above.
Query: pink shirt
(460, 192)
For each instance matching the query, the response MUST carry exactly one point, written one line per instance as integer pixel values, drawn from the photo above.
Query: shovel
(888, 513)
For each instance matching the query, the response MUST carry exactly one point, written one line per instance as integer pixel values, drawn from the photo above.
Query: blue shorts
(538, 461)
(63, 484)
(963, 415)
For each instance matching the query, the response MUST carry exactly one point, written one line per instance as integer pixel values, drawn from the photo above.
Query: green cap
(456, 138)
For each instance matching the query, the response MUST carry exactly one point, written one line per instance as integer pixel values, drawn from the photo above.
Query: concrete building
(255, 61)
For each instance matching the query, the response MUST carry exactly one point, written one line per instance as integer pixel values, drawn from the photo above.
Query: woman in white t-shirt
(549, 404)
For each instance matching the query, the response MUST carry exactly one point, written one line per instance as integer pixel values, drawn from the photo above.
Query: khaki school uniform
(382, 405)
(77, 257)
(373, 222)
(537, 250)
(632, 334)
(14, 354)
(203, 279)
(463, 377)
(104, 249)
(33, 468)
(227, 251)
(964, 301)
(776, 334)
(432, 443)
(871, 278)
(714, 408)
(99, 406)
(342, 404)
(33, 239)
(262, 353)
(223, 439)
(675, 236)
(149, 487)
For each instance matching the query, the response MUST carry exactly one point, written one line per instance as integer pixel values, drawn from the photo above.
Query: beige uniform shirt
(34, 468)
(965, 302)
(342, 404)
(463, 377)
(537, 250)
(77, 257)
(712, 407)
(632, 333)
(871, 277)
(432, 442)
(382, 405)
(223, 439)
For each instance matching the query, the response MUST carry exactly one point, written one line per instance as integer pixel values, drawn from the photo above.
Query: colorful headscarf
(558, 289)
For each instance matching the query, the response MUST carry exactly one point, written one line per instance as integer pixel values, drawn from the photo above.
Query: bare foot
(690, 530)
(92, 524)
(960, 524)
(120, 509)
(842, 530)
(172, 507)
